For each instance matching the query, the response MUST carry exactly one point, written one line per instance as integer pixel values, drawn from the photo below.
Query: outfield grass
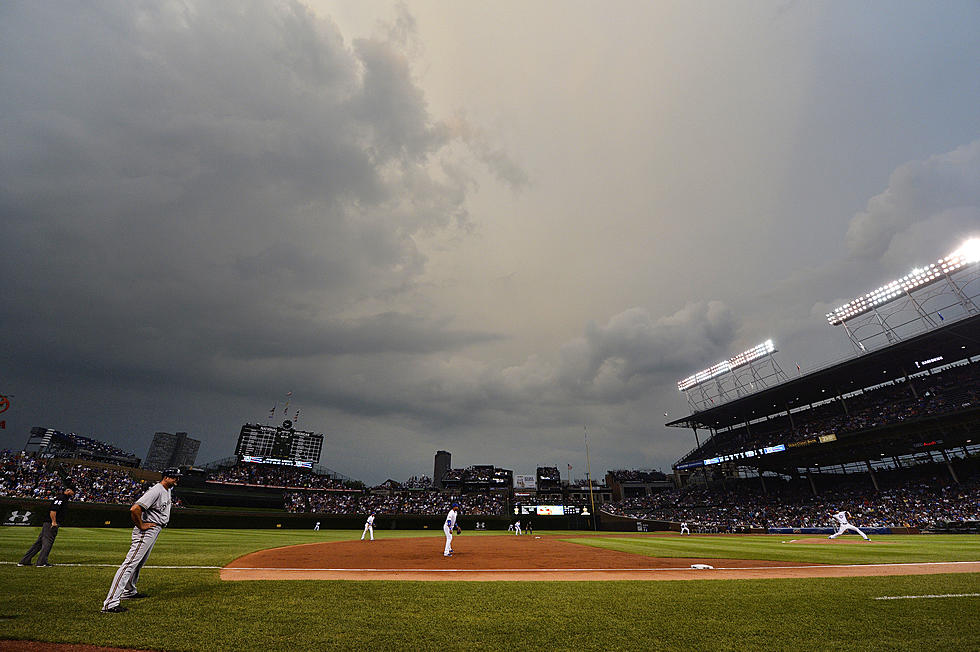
(191, 609)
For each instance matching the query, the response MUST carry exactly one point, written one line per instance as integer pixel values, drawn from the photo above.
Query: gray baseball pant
(44, 542)
(124, 583)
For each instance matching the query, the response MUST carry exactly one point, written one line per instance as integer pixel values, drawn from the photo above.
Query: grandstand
(481, 477)
(630, 483)
(910, 395)
(54, 443)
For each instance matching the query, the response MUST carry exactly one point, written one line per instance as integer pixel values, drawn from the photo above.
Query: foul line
(917, 597)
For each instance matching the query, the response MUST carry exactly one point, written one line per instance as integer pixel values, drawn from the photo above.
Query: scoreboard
(280, 445)
(551, 510)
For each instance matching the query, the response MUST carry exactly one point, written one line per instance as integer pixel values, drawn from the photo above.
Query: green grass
(191, 609)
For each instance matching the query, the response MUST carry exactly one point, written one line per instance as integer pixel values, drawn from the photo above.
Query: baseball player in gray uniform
(368, 527)
(150, 514)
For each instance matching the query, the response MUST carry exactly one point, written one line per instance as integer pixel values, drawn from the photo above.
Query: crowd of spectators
(636, 475)
(952, 389)
(405, 502)
(262, 475)
(920, 497)
(27, 476)
(418, 482)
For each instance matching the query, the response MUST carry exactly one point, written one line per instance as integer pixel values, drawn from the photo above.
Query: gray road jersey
(156, 505)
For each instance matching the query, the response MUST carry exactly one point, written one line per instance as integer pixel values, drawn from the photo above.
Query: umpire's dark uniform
(49, 530)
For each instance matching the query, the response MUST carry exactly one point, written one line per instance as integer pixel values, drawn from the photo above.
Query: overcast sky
(474, 226)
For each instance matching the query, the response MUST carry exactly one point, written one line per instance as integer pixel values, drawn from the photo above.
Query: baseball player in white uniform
(150, 514)
(368, 527)
(843, 524)
(448, 528)
(316, 526)
(685, 529)
(517, 528)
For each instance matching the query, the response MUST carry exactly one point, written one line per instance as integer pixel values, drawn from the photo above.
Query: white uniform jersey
(841, 517)
(451, 519)
(370, 520)
(156, 504)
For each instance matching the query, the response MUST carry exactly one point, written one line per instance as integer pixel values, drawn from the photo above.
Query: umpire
(49, 530)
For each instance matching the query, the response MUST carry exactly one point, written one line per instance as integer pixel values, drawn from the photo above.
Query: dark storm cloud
(188, 184)
(624, 358)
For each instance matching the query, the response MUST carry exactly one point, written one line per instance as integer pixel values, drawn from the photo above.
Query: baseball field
(191, 607)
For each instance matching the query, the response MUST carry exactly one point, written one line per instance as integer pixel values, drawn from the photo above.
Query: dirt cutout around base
(526, 558)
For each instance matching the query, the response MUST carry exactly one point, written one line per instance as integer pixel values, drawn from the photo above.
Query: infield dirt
(524, 558)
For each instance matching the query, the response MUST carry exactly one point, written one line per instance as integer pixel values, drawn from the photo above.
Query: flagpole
(588, 475)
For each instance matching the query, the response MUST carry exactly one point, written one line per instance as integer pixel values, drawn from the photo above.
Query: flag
(296, 418)
(272, 412)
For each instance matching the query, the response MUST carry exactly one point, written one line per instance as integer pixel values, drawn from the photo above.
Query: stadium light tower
(936, 278)
(740, 384)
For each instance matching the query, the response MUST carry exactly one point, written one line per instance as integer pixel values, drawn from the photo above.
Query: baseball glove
(459, 530)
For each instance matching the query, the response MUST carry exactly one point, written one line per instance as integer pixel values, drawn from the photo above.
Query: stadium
(265, 549)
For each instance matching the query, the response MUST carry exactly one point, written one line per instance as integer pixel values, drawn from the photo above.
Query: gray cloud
(925, 201)
(182, 183)
(460, 232)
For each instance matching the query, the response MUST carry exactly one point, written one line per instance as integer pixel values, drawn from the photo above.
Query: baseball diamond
(544, 558)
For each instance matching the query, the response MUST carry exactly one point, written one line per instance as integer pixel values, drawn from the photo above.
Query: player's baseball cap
(172, 472)
(455, 504)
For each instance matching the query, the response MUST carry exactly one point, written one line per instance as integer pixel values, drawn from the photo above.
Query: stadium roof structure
(953, 342)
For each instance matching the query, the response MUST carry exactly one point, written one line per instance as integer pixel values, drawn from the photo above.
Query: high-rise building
(443, 464)
(168, 450)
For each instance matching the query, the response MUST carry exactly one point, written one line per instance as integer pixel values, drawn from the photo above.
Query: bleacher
(54, 443)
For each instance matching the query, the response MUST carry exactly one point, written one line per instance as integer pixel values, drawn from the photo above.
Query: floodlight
(734, 362)
(967, 254)
(969, 251)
